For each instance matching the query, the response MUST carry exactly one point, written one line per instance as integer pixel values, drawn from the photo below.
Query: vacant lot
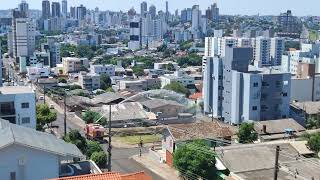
(136, 139)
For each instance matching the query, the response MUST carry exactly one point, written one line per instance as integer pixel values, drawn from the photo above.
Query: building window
(24, 105)
(255, 84)
(265, 84)
(25, 120)
(278, 83)
(254, 108)
(13, 176)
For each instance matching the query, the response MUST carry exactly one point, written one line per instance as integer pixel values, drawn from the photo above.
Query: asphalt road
(122, 163)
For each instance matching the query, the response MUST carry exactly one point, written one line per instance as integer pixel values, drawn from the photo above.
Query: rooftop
(278, 126)
(15, 90)
(309, 107)
(15, 134)
(266, 70)
(259, 161)
(156, 103)
(200, 130)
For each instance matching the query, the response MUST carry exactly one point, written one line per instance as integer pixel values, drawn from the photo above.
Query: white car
(41, 98)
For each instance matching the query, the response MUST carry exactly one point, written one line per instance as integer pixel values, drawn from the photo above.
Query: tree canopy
(138, 70)
(190, 60)
(314, 142)
(93, 146)
(45, 115)
(105, 81)
(246, 133)
(75, 138)
(93, 117)
(100, 158)
(194, 160)
(178, 87)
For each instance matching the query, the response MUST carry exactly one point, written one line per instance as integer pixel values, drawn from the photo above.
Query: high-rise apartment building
(56, 9)
(23, 35)
(236, 92)
(81, 12)
(1, 66)
(288, 24)
(262, 47)
(196, 15)
(64, 8)
(143, 8)
(73, 13)
(24, 7)
(276, 51)
(215, 12)
(135, 34)
(46, 13)
(153, 11)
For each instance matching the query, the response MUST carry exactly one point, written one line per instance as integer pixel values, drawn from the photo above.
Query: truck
(95, 132)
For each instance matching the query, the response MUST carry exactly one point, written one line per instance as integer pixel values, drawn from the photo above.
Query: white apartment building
(108, 69)
(38, 71)
(135, 35)
(18, 105)
(72, 64)
(276, 51)
(215, 46)
(89, 81)
(23, 37)
(261, 51)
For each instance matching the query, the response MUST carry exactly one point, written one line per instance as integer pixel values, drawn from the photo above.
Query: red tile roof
(109, 176)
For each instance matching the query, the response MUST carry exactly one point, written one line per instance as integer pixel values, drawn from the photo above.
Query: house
(163, 108)
(173, 135)
(256, 161)
(125, 114)
(278, 129)
(301, 111)
(109, 176)
(32, 155)
(18, 105)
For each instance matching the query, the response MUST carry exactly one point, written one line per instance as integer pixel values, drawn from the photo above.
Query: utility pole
(109, 143)
(140, 145)
(276, 165)
(65, 114)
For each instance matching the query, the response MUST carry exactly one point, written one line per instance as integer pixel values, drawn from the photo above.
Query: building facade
(18, 106)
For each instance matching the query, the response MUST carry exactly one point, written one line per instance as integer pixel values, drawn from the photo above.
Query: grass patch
(136, 139)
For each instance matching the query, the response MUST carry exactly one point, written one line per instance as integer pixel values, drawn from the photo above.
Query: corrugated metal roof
(14, 134)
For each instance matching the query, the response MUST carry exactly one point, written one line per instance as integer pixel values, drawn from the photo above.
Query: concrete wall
(305, 93)
(38, 165)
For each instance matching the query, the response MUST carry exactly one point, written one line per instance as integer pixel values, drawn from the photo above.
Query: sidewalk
(161, 169)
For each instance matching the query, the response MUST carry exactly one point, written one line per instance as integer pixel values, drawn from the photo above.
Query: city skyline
(243, 7)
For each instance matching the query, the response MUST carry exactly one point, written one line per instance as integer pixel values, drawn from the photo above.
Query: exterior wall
(20, 112)
(89, 81)
(251, 96)
(34, 164)
(74, 64)
(276, 51)
(103, 69)
(262, 52)
(305, 93)
(169, 158)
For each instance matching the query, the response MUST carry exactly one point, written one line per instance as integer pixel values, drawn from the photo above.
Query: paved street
(122, 162)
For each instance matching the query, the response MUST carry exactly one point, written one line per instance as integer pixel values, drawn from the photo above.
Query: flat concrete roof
(15, 90)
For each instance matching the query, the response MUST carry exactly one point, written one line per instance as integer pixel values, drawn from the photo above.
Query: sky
(243, 7)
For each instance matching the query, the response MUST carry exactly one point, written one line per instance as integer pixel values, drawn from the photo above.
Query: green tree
(191, 60)
(66, 50)
(246, 133)
(105, 81)
(84, 51)
(100, 158)
(93, 117)
(195, 159)
(138, 70)
(75, 138)
(314, 142)
(93, 146)
(178, 87)
(45, 115)
(62, 80)
(170, 67)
